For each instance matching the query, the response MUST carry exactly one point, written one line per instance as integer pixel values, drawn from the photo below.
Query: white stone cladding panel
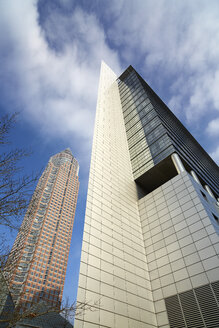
(180, 240)
(113, 268)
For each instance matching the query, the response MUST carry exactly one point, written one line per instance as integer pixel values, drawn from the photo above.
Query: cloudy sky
(50, 55)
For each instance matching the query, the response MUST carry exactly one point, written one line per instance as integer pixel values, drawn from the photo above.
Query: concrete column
(178, 163)
(209, 191)
(195, 177)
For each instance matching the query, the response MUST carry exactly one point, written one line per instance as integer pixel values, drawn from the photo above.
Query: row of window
(139, 112)
(143, 131)
(132, 97)
(123, 85)
(129, 90)
(190, 147)
(145, 120)
(134, 110)
(156, 159)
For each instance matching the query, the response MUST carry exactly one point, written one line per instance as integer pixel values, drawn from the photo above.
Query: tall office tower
(151, 234)
(37, 263)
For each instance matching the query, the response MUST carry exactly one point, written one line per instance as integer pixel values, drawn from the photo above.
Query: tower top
(67, 151)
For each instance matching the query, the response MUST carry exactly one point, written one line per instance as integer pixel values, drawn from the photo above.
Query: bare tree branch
(15, 192)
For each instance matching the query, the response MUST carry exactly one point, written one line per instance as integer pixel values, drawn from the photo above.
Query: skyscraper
(151, 235)
(37, 263)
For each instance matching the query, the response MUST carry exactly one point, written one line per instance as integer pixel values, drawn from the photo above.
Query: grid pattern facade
(181, 243)
(140, 250)
(37, 263)
(113, 268)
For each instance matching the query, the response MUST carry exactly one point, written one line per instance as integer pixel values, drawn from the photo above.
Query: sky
(50, 56)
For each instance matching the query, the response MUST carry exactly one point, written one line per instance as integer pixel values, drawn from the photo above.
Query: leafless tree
(15, 187)
(41, 313)
(15, 192)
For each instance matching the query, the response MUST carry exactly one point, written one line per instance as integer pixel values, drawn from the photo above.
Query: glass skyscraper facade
(37, 264)
(151, 235)
(154, 133)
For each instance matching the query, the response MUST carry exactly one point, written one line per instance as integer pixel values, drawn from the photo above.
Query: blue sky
(50, 55)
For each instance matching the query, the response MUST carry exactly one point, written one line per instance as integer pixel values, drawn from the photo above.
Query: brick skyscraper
(151, 235)
(37, 263)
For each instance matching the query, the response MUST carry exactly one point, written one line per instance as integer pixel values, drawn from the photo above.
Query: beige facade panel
(141, 257)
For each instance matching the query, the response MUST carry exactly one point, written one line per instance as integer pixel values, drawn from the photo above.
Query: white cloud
(213, 127)
(179, 37)
(56, 90)
(215, 155)
(176, 46)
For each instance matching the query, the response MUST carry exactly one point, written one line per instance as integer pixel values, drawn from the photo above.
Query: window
(204, 196)
(216, 218)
